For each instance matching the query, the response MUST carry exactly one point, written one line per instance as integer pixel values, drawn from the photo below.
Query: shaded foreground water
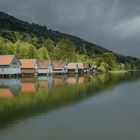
(104, 106)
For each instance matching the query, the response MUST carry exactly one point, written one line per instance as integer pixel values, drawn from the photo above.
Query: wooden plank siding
(9, 65)
(59, 66)
(27, 71)
(44, 67)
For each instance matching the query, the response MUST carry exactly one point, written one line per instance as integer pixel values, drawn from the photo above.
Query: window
(15, 63)
(2, 69)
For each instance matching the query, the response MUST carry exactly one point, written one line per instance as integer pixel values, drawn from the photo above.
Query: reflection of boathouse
(10, 85)
(60, 80)
(72, 80)
(6, 92)
(49, 81)
(77, 79)
(28, 85)
(45, 81)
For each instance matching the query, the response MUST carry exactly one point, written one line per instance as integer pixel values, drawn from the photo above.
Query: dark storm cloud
(114, 24)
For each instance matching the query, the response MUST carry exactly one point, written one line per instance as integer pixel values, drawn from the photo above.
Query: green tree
(50, 46)
(43, 52)
(67, 50)
(110, 59)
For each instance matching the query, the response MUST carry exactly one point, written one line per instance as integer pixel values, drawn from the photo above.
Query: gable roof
(28, 63)
(58, 64)
(72, 65)
(42, 63)
(6, 59)
(76, 65)
(80, 65)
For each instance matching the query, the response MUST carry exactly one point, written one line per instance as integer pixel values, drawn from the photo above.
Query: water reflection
(28, 85)
(9, 87)
(5, 92)
(26, 105)
(45, 81)
(12, 87)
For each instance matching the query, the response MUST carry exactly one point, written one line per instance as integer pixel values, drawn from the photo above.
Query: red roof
(6, 59)
(80, 65)
(72, 65)
(28, 63)
(58, 64)
(43, 64)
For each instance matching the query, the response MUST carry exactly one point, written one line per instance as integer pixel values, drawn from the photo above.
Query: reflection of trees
(112, 79)
(26, 105)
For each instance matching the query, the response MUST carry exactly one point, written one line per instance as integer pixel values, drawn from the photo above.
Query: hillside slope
(10, 23)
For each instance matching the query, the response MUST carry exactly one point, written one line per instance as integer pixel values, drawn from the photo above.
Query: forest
(34, 41)
(28, 46)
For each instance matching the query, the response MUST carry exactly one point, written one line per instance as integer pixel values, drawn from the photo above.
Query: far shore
(123, 71)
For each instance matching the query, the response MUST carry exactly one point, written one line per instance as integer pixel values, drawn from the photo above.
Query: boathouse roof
(43, 63)
(28, 63)
(6, 59)
(58, 64)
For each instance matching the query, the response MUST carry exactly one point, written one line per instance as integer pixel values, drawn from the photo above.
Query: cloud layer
(113, 24)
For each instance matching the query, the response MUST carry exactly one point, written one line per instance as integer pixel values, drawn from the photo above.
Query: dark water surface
(110, 110)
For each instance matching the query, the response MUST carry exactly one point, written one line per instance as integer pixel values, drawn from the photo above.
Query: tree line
(27, 46)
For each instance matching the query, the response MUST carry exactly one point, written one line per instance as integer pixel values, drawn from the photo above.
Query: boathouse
(72, 68)
(78, 67)
(59, 66)
(9, 65)
(81, 67)
(44, 67)
(28, 66)
(87, 67)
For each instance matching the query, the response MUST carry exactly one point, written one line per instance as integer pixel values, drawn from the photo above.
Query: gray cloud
(114, 24)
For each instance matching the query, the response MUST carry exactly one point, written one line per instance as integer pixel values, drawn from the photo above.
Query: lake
(71, 107)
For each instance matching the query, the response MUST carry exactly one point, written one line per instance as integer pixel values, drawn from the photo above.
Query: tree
(43, 52)
(3, 47)
(81, 58)
(98, 61)
(50, 46)
(110, 59)
(11, 49)
(66, 50)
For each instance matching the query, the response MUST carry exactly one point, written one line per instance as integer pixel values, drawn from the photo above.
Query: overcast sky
(113, 24)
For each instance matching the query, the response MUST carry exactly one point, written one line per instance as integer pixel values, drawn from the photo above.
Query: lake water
(108, 108)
